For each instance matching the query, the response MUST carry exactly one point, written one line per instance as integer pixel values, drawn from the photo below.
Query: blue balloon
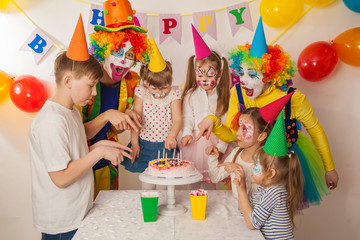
(353, 5)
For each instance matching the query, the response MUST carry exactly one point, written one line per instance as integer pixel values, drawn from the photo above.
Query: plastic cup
(149, 204)
(198, 207)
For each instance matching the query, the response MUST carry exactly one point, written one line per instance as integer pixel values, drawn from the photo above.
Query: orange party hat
(78, 49)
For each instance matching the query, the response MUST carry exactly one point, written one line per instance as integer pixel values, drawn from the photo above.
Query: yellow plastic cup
(198, 207)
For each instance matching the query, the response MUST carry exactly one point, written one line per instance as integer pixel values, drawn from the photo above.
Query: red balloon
(317, 61)
(28, 93)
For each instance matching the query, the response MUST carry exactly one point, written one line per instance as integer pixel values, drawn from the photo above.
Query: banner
(205, 22)
(239, 16)
(38, 43)
(170, 25)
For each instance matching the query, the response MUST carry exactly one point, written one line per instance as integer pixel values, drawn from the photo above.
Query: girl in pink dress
(206, 91)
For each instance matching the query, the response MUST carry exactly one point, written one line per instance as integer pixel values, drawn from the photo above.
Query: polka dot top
(156, 114)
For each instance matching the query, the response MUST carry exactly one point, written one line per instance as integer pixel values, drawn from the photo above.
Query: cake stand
(171, 209)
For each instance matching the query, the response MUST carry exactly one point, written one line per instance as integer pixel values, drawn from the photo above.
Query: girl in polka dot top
(160, 108)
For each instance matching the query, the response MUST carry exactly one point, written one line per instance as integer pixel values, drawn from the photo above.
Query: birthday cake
(170, 167)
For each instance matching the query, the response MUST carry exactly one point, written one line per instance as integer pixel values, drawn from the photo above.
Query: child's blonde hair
(157, 79)
(223, 83)
(260, 125)
(288, 173)
(90, 68)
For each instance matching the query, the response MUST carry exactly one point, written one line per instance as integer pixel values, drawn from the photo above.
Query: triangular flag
(271, 111)
(259, 46)
(201, 49)
(78, 49)
(276, 144)
(157, 63)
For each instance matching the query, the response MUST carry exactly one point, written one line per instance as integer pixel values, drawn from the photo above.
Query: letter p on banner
(170, 25)
(38, 43)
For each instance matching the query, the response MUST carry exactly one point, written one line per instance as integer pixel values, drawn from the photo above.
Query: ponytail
(190, 84)
(223, 89)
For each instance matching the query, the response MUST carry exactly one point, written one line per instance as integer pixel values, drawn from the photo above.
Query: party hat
(157, 63)
(276, 144)
(78, 49)
(259, 46)
(201, 49)
(118, 15)
(271, 111)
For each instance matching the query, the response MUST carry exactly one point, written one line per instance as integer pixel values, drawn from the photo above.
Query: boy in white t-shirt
(61, 163)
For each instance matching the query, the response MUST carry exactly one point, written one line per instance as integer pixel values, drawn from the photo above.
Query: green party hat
(276, 144)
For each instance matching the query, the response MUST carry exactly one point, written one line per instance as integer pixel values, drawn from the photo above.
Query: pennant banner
(38, 43)
(140, 19)
(205, 22)
(170, 25)
(239, 16)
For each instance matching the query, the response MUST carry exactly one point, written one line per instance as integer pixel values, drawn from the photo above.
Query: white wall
(334, 99)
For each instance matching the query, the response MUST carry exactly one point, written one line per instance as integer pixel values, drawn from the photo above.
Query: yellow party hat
(157, 63)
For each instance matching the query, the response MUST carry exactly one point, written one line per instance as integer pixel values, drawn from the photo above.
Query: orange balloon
(5, 83)
(347, 46)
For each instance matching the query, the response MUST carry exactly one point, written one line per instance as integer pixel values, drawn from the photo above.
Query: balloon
(3, 4)
(280, 13)
(353, 5)
(318, 3)
(347, 46)
(317, 61)
(5, 83)
(28, 93)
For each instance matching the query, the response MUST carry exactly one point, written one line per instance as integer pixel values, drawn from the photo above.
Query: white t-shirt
(156, 114)
(218, 173)
(56, 137)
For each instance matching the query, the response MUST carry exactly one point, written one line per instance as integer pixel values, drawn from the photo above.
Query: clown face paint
(206, 77)
(118, 64)
(251, 81)
(257, 169)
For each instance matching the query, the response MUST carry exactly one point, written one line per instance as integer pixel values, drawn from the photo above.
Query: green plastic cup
(149, 204)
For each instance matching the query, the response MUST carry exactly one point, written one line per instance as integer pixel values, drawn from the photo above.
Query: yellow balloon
(318, 3)
(280, 13)
(5, 83)
(3, 4)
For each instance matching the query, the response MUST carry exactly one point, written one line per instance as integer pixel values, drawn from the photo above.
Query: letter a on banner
(205, 22)
(239, 16)
(96, 17)
(38, 43)
(170, 25)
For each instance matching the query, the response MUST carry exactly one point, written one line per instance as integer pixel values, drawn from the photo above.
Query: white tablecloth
(118, 215)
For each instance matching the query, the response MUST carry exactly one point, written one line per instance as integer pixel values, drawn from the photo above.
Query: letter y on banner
(170, 25)
(239, 16)
(38, 43)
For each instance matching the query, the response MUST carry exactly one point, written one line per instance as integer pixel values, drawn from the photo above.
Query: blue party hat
(259, 46)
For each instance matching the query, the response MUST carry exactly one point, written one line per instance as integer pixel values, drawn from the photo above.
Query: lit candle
(174, 154)
(166, 162)
(158, 154)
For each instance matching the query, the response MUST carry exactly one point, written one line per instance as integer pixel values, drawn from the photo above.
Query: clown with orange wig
(265, 75)
(118, 46)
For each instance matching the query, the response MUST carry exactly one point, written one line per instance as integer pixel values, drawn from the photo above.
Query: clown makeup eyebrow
(211, 72)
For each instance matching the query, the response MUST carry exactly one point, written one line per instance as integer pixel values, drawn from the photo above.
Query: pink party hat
(272, 110)
(201, 49)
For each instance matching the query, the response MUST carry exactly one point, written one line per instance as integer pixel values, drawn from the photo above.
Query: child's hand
(186, 140)
(239, 179)
(170, 143)
(121, 121)
(230, 167)
(213, 150)
(135, 151)
(112, 151)
(205, 128)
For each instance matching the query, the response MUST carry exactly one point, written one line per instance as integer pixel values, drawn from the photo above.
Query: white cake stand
(171, 209)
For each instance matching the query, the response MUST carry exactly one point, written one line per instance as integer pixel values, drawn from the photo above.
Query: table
(117, 214)
(170, 208)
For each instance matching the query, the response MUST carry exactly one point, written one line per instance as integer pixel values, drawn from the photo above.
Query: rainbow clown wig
(103, 42)
(275, 65)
